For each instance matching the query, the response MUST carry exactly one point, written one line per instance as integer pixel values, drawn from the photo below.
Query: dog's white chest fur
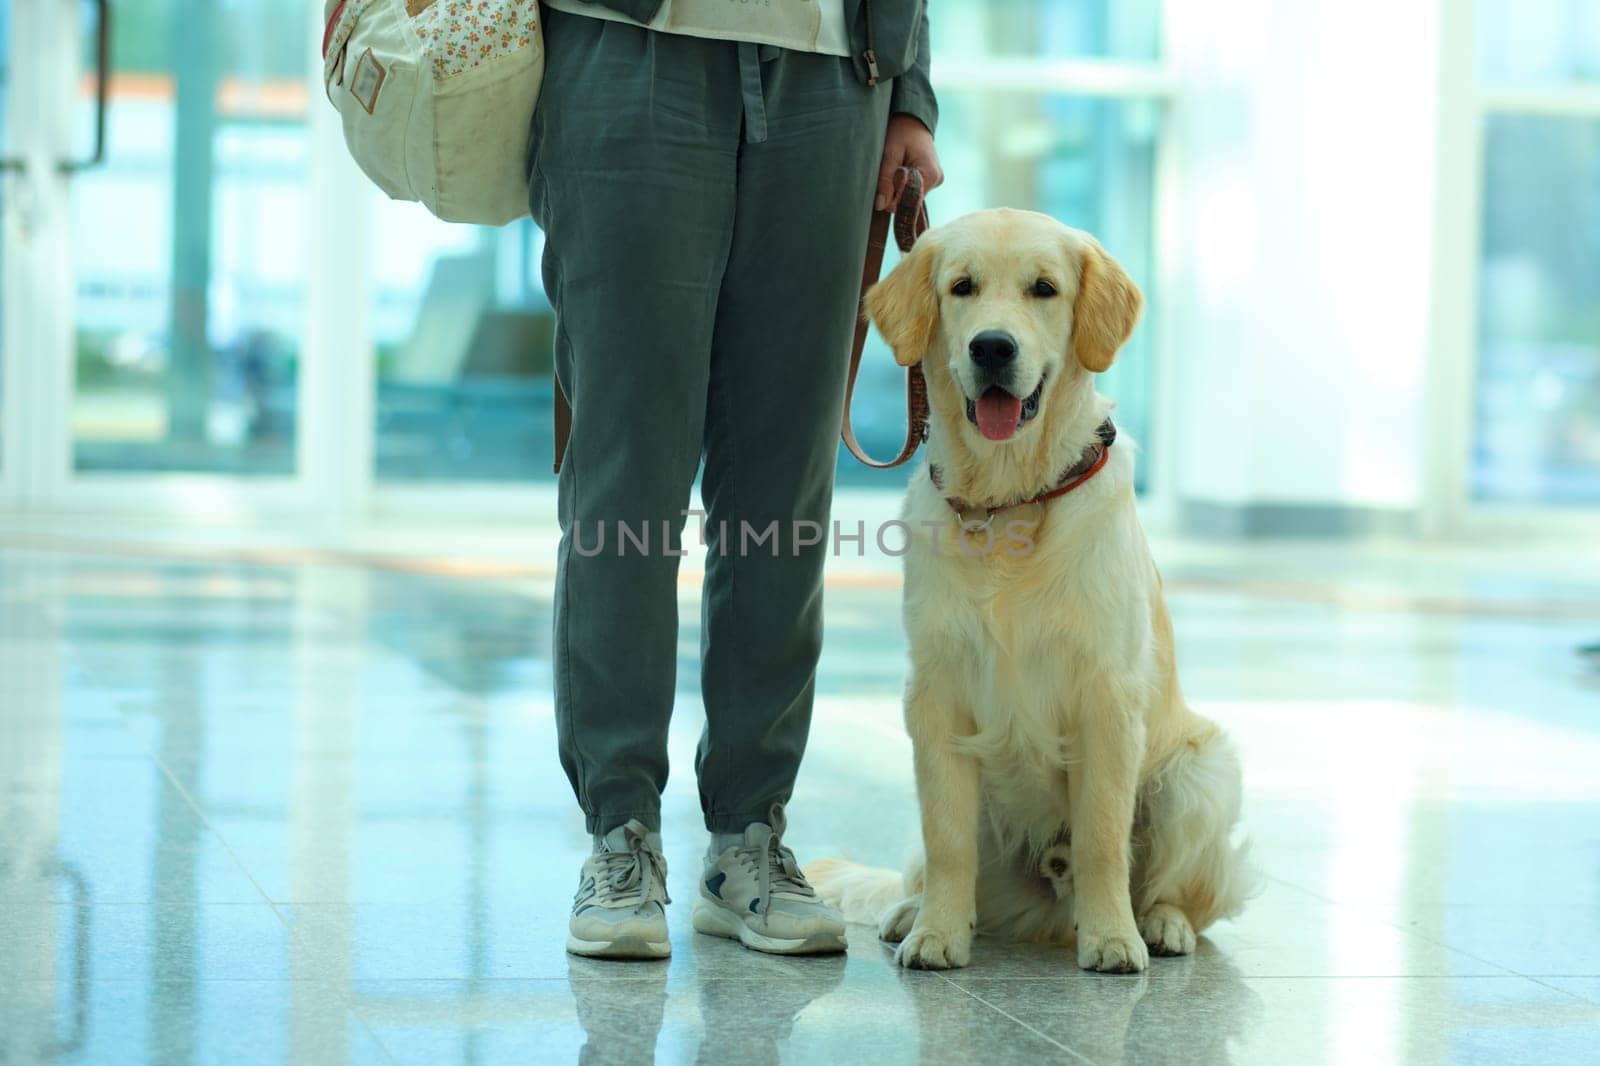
(1030, 619)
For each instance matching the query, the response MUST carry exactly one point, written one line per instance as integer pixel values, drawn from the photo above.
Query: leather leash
(563, 422)
(910, 222)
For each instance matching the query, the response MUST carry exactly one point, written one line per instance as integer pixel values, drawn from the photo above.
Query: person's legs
(778, 359)
(634, 162)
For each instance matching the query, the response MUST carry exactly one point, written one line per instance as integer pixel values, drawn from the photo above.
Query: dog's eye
(962, 288)
(1043, 288)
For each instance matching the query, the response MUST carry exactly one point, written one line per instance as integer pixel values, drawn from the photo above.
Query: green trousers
(705, 205)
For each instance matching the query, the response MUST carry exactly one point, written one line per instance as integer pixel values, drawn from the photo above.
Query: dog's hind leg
(1166, 930)
(1188, 871)
(898, 919)
(1055, 866)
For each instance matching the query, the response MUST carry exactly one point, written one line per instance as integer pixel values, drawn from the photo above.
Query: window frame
(1447, 508)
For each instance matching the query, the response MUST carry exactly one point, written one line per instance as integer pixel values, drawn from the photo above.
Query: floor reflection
(313, 813)
(621, 1019)
(751, 1021)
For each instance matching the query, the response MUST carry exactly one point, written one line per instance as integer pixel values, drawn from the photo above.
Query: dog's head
(1013, 306)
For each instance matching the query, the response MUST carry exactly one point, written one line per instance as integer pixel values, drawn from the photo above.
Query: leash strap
(910, 222)
(563, 422)
(910, 218)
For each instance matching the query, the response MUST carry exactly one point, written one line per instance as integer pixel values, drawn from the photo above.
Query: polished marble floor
(309, 811)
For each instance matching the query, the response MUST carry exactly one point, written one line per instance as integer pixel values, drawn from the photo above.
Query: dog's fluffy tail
(862, 893)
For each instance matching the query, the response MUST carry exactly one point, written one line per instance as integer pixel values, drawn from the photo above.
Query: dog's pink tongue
(998, 412)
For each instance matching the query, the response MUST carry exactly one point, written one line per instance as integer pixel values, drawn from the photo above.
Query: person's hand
(909, 144)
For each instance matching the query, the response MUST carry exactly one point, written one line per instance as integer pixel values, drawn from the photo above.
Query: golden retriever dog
(1067, 792)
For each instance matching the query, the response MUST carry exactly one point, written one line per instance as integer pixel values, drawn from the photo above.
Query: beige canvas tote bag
(437, 98)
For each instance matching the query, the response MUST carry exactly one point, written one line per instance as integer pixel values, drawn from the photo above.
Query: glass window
(463, 333)
(1538, 402)
(1054, 29)
(189, 243)
(1538, 42)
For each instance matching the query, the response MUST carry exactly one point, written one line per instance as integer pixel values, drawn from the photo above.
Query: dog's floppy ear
(1106, 310)
(904, 306)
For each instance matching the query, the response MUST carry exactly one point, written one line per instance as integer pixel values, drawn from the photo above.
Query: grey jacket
(889, 39)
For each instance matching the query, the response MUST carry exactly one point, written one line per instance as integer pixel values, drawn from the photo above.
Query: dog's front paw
(898, 919)
(1115, 951)
(926, 948)
(1167, 931)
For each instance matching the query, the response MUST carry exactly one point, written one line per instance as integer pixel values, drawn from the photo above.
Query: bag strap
(910, 222)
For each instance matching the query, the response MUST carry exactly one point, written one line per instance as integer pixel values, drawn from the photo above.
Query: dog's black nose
(993, 349)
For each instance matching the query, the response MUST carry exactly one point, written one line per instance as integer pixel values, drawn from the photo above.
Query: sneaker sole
(717, 921)
(623, 947)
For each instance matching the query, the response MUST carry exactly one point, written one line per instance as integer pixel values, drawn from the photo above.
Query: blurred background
(1370, 238)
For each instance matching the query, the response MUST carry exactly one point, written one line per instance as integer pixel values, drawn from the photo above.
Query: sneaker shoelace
(621, 877)
(776, 867)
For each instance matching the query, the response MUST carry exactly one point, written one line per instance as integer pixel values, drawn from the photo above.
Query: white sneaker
(618, 911)
(755, 893)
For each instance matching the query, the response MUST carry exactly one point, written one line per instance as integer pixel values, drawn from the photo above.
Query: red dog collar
(1088, 465)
